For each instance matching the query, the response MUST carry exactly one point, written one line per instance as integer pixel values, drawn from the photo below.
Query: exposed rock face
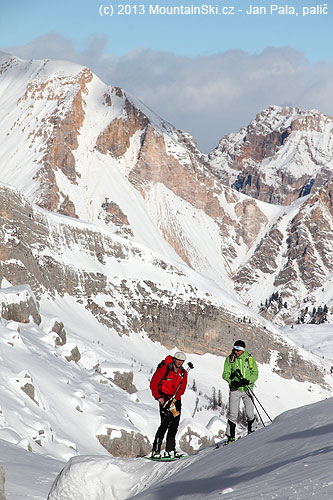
(115, 139)
(129, 444)
(185, 441)
(2, 483)
(283, 154)
(300, 258)
(194, 326)
(59, 131)
(175, 316)
(19, 304)
(125, 381)
(114, 214)
(192, 183)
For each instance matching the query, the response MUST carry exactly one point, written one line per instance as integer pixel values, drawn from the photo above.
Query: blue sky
(22, 20)
(208, 75)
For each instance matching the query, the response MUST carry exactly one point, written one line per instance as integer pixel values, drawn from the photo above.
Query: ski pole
(172, 406)
(190, 367)
(252, 393)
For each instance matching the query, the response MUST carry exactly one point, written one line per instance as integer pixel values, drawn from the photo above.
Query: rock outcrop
(178, 312)
(128, 444)
(2, 483)
(125, 381)
(284, 154)
(19, 304)
(60, 337)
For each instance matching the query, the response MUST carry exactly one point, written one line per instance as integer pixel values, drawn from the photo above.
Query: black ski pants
(168, 423)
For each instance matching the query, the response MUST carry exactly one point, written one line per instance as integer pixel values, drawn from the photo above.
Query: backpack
(169, 368)
(249, 359)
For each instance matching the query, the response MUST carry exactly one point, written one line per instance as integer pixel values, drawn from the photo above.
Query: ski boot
(232, 430)
(250, 426)
(230, 440)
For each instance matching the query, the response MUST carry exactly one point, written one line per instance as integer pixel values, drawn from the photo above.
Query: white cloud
(207, 96)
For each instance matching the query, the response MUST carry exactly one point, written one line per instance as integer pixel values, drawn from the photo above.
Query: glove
(236, 383)
(235, 373)
(245, 382)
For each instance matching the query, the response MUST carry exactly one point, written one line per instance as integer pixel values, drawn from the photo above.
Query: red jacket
(168, 385)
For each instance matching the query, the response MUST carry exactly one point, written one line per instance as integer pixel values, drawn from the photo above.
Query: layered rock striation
(294, 261)
(283, 154)
(62, 257)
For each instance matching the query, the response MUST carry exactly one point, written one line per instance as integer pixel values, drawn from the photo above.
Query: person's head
(239, 347)
(179, 358)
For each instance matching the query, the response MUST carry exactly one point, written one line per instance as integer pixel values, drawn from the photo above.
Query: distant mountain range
(76, 147)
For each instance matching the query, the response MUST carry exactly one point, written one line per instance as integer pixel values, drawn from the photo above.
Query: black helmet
(239, 345)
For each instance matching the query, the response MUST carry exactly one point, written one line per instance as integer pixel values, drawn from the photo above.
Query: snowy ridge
(291, 459)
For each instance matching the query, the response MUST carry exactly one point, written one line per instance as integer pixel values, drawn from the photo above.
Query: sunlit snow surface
(317, 339)
(276, 462)
(290, 459)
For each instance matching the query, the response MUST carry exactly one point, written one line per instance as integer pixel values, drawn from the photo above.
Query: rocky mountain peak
(284, 153)
(98, 154)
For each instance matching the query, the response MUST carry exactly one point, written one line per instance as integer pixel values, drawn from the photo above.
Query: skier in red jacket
(168, 377)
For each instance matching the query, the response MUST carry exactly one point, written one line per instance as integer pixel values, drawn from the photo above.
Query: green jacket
(235, 369)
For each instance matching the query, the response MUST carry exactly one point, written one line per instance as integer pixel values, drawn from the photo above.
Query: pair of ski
(166, 459)
(222, 444)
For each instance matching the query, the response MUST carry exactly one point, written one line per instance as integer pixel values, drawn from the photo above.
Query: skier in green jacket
(240, 371)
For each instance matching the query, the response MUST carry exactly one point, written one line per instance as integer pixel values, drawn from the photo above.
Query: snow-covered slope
(290, 459)
(294, 450)
(28, 476)
(71, 386)
(78, 147)
(81, 386)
